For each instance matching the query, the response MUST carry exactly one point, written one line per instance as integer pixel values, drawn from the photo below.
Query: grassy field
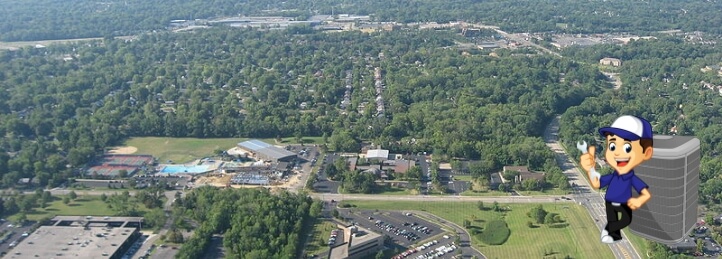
(182, 150)
(579, 239)
(554, 191)
(83, 205)
(484, 193)
(639, 243)
(319, 237)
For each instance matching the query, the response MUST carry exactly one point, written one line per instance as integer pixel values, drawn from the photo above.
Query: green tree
(480, 205)
(73, 195)
(538, 214)
(132, 182)
(550, 218)
(66, 200)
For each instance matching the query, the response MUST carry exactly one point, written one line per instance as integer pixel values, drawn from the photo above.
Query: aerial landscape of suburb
(379, 129)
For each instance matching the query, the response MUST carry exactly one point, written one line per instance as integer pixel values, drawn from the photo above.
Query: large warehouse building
(80, 237)
(263, 151)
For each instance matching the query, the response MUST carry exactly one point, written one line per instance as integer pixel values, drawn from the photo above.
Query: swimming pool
(175, 169)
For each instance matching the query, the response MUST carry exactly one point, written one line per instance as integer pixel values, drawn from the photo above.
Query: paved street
(591, 199)
(499, 199)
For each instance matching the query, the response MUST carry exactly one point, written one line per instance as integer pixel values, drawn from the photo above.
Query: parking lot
(16, 236)
(404, 229)
(324, 184)
(437, 248)
(335, 237)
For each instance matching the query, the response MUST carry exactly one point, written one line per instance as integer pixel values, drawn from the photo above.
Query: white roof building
(377, 154)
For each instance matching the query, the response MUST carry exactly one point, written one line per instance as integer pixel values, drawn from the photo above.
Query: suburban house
(615, 62)
(524, 173)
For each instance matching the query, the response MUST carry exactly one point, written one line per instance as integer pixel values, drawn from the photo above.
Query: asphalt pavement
(429, 198)
(16, 236)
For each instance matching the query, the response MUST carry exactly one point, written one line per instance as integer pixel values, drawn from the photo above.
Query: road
(160, 252)
(516, 37)
(591, 199)
(430, 198)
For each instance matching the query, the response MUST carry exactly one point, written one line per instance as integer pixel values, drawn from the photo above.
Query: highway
(591, 199)
(515, 37)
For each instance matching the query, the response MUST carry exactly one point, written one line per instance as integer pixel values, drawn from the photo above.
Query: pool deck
(212, 165)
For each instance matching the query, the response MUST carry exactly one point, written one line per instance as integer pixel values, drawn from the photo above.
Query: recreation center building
(263, 151)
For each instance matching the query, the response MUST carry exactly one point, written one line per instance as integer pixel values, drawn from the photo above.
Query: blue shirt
(620, 186)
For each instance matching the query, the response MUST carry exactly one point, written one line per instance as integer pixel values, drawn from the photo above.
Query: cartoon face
(623, 155)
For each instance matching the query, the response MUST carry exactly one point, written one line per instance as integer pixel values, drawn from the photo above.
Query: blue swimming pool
(177, 169)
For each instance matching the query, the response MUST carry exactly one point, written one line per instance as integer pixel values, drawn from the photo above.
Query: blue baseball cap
(630, 128)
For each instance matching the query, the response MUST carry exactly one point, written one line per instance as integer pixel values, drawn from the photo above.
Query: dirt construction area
(127, 150)
(216, 180)
(224, 179)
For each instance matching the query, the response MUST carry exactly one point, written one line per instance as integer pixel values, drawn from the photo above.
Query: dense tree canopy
(249, 83)
(255, 223)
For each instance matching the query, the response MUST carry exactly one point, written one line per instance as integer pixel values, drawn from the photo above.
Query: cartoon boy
(629, 143)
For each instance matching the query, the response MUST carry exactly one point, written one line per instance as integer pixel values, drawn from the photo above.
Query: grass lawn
(87, 206)
(484, 193)
(319, 237)
(462, 177)
(639, 243)
(82, 206)
(396, 191)
(554, 191)
(579, 239)
(182, 150)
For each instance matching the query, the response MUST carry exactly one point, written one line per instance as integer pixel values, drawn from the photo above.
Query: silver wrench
(583, 148)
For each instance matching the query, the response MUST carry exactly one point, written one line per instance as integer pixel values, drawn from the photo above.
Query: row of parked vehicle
(433, 253)
(397, 231)
(438, 252)
(332, 238)
(417, 227)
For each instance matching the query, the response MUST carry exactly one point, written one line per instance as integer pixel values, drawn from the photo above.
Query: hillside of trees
(254, 222)
(248, 83)
(663, 82)
(26, 20)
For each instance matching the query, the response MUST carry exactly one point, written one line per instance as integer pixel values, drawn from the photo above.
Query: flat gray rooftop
(97, 218)
(363, 236)
(71, 242)
(266, 149)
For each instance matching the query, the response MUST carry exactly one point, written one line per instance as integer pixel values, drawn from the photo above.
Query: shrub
(496, 232)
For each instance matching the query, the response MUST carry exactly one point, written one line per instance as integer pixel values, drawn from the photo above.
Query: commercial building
(524, 173)
(80, 237)
(381, 154)
(260, 150)
(358, 243)
(615, 62)
(673, 178)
